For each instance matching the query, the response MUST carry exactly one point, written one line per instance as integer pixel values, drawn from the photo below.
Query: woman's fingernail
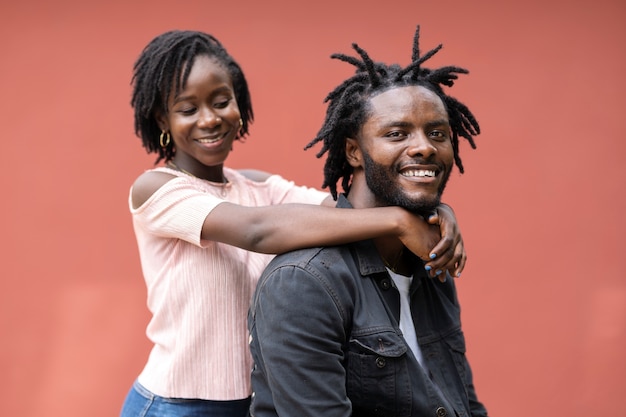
(427, 267)
(439, 271)
(433, 255)
(458, 275)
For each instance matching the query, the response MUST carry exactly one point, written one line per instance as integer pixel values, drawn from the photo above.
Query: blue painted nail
(427, 267)
(458, 275)
(439, 271)
(433, 255)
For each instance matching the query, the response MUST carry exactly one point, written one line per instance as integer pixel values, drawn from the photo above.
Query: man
(361, 329)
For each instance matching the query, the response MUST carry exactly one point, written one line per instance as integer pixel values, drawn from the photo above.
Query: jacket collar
(367, 256)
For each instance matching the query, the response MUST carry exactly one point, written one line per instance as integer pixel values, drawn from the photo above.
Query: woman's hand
(449, 254)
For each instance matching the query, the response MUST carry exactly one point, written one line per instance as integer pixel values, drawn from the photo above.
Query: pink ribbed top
(199, 290)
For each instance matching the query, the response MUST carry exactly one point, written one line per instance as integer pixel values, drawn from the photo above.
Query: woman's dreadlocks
(347, 108)
(162, 70)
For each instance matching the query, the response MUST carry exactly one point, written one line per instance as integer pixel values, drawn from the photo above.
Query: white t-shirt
(403, 283)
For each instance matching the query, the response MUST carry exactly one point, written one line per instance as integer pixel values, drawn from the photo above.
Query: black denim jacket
(325, 339)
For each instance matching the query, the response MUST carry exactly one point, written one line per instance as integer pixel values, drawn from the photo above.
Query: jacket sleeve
(476, 407)
(297, 333)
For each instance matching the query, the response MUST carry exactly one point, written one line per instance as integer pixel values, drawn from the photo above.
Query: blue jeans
(142, 403)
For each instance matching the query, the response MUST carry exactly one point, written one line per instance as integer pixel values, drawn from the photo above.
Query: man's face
(405, 148)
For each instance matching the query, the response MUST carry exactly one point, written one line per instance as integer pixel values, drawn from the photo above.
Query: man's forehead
(406, 100)
(414, 92)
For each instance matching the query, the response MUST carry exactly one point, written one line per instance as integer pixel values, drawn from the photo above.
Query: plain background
(541, 205)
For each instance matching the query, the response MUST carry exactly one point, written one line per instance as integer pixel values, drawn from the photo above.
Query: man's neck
(390, 248)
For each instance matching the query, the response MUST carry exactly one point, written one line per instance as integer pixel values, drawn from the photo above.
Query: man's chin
(422, 205)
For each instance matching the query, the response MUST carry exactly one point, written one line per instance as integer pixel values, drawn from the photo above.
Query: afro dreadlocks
(162, 70)
(347, 108)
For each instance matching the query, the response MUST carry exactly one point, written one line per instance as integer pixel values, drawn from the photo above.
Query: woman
(205, 231)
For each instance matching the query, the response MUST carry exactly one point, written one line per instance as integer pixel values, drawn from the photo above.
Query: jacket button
(441, 412)
(385, 284)
(381, 362)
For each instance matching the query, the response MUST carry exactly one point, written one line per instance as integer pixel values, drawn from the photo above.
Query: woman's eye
(187, 110)
(222, 104)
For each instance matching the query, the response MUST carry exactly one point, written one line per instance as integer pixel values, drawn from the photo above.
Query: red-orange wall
(541, 205)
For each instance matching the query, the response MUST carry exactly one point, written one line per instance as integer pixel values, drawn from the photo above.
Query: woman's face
(203, 119)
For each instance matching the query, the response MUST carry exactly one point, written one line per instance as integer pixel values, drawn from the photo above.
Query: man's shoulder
(326, 274)
(330, 267)
(320, 258)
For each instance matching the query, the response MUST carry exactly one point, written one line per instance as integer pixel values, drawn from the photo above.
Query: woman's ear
(353, 153)
(161, 120)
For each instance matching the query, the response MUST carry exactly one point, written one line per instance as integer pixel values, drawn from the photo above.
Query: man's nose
(420, 144)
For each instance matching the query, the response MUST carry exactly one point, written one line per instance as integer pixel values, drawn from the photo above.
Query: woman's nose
(209, 119)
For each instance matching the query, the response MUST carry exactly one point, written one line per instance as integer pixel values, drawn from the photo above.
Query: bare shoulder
(146, 184)
(254, 174)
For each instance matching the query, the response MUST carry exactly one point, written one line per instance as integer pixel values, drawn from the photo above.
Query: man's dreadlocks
(348, 106)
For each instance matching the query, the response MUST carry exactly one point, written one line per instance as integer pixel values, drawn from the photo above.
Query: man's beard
(384, 185)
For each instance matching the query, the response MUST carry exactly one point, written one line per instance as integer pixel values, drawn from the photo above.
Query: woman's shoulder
(255, 174)
(148, 183)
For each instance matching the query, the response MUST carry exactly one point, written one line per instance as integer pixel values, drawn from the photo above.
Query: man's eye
(437, 134)
(395, 134)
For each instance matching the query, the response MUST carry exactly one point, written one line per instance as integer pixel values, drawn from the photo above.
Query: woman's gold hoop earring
(164, 143)
(240, 123)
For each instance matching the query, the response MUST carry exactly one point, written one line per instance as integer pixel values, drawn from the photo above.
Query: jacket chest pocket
(377, 374)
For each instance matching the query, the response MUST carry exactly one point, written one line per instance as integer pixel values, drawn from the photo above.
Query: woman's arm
(284, 227)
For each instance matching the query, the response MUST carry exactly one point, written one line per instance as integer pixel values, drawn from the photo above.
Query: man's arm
(297, 332)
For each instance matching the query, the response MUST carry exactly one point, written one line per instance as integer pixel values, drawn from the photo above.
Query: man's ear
(353, 153)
